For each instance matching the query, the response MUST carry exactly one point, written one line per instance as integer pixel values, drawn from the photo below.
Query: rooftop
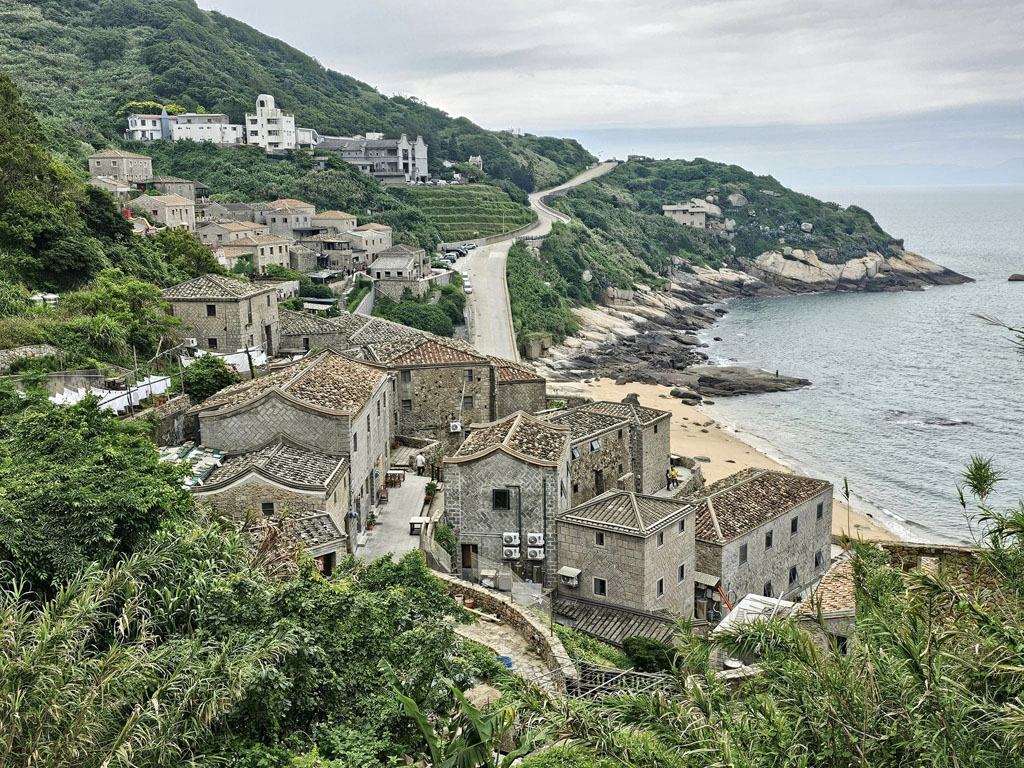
(302, 323)
(165, 180)
(372, 225)
(435, 352)
(585, 423)
(233, 226)
(508, 370)
(835, 593)
(288, 202)
(746, 500)
(282, 461)
(520, 435)
(214, 287)
(327, 380)
(627, 512)
(639, 414)
(334, 215)
(163, 199)
(394, 261)
(118, 153)
(401, 250)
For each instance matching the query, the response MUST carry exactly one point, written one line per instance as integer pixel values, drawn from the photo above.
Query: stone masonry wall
(651, 457)
(512, 396)
(292, 344)
(663, 563)
(613, 459)
(256, 425)
(620, 562)
(231, 327)
(434, 394)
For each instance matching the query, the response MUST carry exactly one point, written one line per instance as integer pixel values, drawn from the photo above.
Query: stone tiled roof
(640, 414)
(233, 226)
(325, 237)
(628, 512)
(520, 435)
(302, 323)
(585, 423)
(401, 250)
(394, 261)
(835, 593)
(119, 153)
(284, 461)
(373, 225)
(214, 287)
(613, 624)
(311, 530)
(256, 240)
(334, 215)
(288, 202)
(435, 352)
(508, 370)
(742, 502)
(165, 180)
(326, 380)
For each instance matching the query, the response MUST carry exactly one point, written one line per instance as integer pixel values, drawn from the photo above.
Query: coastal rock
(686, 395)
(723, 381)
(737, 200)
(1017, 278)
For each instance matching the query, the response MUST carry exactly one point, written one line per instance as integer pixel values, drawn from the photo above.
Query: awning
(706, 579)
(570, 573)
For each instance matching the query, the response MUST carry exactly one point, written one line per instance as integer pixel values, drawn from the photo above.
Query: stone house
(835, 600)
(285, 482)
(372, 237)
(629, 550)
(286, 217)
(214, 233)
(398, 269)
(334, 221)
(224, 314)
(119, 189)
(649, 439)
(600, 456)
(126, 167)
(168, 185)
(764, 532)
(505, 488)
(334, 251)
(264, 250)
(328, 402)
(518, 387)
(243, 212)
(172, 211)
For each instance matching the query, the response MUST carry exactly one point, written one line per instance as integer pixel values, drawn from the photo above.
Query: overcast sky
(867, 88)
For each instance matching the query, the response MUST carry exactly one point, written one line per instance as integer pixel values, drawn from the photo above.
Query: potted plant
(371, 520)
(429, 492)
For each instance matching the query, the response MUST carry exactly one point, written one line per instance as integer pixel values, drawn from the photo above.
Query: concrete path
(505, 641)
(391, 532)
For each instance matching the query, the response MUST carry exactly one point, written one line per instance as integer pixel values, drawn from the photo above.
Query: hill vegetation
(469, 211)
(80, 62)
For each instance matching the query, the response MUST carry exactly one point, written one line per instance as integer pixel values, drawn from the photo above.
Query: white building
(270, 127)
(214, 128)
(149, 127)
(391, 161)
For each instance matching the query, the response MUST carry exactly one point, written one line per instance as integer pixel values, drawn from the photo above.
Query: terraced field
(470, 211)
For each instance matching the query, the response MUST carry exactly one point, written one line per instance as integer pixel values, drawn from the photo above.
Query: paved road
(492, 318)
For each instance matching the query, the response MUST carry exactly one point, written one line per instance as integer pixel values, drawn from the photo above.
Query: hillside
(470, 211)
(80, 62)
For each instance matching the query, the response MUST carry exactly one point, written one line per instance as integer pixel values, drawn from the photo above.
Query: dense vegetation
(82, 61)
(537, 296)
(469, 211)
(439, 317)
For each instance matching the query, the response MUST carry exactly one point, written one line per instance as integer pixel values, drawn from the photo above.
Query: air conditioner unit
(191, 342)
(510, 553)
(510, 539)
(535, 539)
(569, 581)
(535, 553)
(455, 426)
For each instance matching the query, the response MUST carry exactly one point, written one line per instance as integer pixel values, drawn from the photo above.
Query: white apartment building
(270, 127)
(149, 127)
(391, 161)
(214, 128)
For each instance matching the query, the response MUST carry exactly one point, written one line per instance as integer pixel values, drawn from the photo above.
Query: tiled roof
(508, 370)
(333, 215)
(311, 530)
(283, 461)
(400, 250)
(165, 199)
(327, 380)
(394, 261)
(256, 240)
(640, 414)
(301, 323)
(435, 352)
(325, 237)
(742, 502)
(612, 624)
(835, 592)
(119, 153)
(373, 225)
(234, 226)
(214, 287)
(165, 180)
(288, 202)
(628, 512)
(584, 423)
(519, 434)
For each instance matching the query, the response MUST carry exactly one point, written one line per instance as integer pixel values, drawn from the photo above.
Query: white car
(467, 288)
(469, 245)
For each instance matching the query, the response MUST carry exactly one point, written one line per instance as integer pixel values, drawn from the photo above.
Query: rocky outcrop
(1015, 278)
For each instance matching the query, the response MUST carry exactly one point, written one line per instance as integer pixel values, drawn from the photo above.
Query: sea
(906, 386)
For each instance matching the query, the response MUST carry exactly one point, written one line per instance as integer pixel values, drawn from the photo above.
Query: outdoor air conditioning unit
(569, 581)
(535, 553)
(191, 342)
(510, 539)
(535, 539)
(510, 553)
(455, 426)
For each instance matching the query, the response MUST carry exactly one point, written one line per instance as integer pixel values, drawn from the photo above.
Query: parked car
(467, 288)
(469, 245)
(453, 255)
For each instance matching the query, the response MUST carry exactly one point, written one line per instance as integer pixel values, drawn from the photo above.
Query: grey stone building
(173, 211)
(334, 251)
(505, 488)
(286, 217)
(650, 439)
(328, 402)
(629, 550)
(222, 231)
(224, 314)
(303, 489)
(168, 185)
(764, 532)
(518, 387)
(600, 455)
(126, 167)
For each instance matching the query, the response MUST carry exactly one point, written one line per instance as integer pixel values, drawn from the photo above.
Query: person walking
(674, 475)
(421, 462)
(668, 479)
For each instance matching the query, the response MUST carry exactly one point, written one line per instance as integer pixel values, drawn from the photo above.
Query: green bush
(648, 655)
(537, 305)
(205, 377)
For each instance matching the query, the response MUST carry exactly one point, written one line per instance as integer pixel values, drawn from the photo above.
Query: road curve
(493, 332)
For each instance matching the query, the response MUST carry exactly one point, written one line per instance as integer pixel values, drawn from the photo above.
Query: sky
(867, 92)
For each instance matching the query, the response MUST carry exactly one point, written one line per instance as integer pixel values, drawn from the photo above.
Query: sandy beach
(693, 436)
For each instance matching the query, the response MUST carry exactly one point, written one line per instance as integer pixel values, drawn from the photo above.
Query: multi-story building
(400, 262)
(327, 402)
(214, 128)
(628, 550)
(505, 489)
(334, 221)
(173, 211)
(600, 456)
(168, 185)
(150, 127)
(224, 314)
(214, 233)
(126, 167)
(270, 127)
(764, 532)
(286, 217)
(693, 213)
(334, 251)
(391, 161)
(264, 250)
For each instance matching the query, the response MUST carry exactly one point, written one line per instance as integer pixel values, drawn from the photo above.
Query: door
(269, 343)
(470, 560)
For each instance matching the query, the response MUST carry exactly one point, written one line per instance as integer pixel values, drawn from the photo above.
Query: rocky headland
(648, 335)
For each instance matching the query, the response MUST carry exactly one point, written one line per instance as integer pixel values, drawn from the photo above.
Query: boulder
(1017, 278)
(686, 395)
(737, 200)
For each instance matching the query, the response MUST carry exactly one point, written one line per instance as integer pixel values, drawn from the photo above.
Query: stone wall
(230, 326)
(296, 344)
(258, 423)
(433, 396)
(512, 396)
(650, 455)
(613, 459)
(662, 562)
(620, 562)
(907, 555)
(548, 646)
(393, 289)
(9, 356)
(170, 427)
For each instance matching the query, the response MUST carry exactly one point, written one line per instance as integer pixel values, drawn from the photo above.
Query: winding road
(492, 318)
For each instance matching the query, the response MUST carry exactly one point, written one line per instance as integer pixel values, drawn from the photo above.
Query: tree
(184, 252)
(206, 377)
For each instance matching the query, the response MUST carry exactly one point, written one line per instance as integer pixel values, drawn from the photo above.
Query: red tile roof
(835, 593)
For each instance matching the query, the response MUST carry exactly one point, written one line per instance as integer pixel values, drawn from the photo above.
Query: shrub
(206, 377)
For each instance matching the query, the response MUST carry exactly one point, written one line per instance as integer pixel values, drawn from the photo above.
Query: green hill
(471, 211)
(79, 61)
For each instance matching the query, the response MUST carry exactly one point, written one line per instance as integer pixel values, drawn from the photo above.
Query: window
(620, 469)
(305, 343)
(682, 525)
(407, 406)
(598, 538)
(600, 587)
(818, 559)
(501, 499)
(768, 539)
(355, 442)
(378, 407)
(268, 299)
(792, 575)
(211, 310)
(467, 401)
(620, 434)
(267, 508)
(468, 375)
(575, 453)
(794, 525)
(821, 510)
(595, 445)
(406, 377)
(743, 553)
(575, 487)
(681, 572)
(661, 587)
(768, 591)
(211, 343)
(661, 538)
(655, 429)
